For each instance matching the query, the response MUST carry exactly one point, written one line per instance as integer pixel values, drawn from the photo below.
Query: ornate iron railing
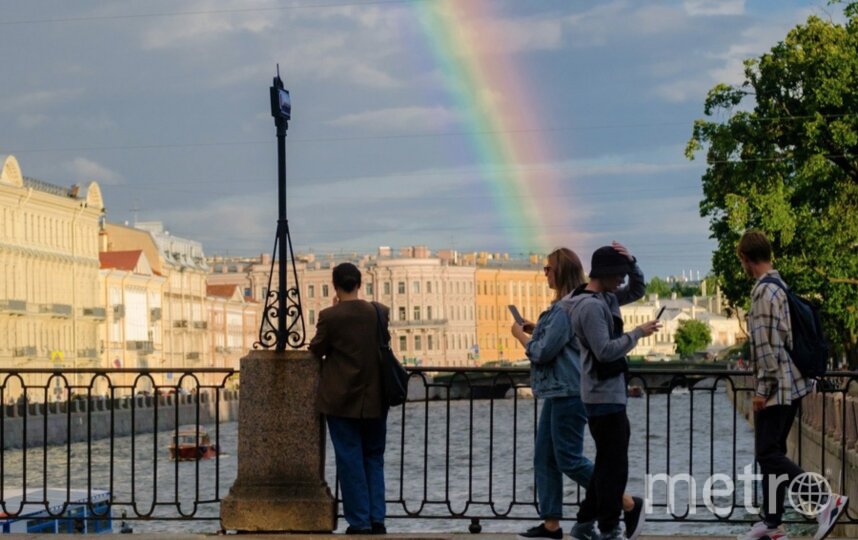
(462, 451)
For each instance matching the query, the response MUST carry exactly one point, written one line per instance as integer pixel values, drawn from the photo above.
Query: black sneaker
(541, 533)
(379, 528)
(352, 530)
(634, 519)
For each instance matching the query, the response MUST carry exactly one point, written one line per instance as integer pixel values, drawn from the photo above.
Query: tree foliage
(658, 286)
(692, 336)
(782, 155)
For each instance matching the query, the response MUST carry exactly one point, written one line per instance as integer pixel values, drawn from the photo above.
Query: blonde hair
(568, 271)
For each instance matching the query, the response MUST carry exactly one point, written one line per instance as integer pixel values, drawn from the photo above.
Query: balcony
(142, 346)
(61, 310)
(423, 323)
(181, 323)
(87, 353)
(95, 312)
(155, 314)
(201, 325)
(193, 356)
(14, 307)
(119, 311)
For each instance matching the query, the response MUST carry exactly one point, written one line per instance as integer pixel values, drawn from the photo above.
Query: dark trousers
(771, 429)
(604, 499)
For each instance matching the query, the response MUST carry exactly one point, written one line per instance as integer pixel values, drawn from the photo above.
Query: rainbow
(491, 94)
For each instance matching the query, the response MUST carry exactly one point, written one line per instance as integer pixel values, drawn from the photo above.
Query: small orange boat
(190, 445)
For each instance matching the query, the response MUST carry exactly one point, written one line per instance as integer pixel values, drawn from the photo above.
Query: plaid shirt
(776, 376)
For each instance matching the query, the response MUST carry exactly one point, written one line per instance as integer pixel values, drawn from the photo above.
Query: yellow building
(499, 283)
(233, 324)
(133, 335)
(184, 316)
(50, 310)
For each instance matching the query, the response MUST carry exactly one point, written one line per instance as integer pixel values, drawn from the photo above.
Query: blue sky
(164, 103)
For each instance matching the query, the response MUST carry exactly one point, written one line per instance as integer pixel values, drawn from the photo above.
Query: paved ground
(456, 536)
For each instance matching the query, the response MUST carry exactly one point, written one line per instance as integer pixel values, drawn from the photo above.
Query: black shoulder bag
(394, 378)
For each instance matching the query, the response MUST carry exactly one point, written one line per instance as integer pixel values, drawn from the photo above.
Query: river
(482, 454)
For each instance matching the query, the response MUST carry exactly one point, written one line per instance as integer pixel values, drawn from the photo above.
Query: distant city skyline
(566, 129)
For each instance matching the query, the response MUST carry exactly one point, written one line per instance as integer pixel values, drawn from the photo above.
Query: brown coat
(347, 342)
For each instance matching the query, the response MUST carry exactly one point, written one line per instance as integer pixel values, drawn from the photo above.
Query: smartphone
(515, 314)
(657, 317)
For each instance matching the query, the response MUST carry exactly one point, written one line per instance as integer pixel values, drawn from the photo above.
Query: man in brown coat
(349, 396)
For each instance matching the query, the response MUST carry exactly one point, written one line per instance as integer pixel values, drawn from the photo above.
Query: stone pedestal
(280, 485)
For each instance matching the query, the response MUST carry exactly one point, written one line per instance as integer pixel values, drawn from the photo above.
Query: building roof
(121, 260)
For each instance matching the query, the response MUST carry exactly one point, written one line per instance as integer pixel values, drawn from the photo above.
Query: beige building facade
(233, 324)
(50, 311)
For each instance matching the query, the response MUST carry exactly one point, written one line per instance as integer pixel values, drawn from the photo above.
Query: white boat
(81, 515)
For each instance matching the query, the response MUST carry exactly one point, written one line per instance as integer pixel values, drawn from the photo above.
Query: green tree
(692, 336)
(658, 286)
(782, 156)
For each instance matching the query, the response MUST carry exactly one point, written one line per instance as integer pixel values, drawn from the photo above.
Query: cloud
(38, 100)
(399, 119)
(85, 170)
(714, 7)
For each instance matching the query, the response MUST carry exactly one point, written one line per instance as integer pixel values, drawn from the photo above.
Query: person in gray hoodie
(594, 311)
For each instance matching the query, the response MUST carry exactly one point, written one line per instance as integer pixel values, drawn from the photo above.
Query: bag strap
(383, 333)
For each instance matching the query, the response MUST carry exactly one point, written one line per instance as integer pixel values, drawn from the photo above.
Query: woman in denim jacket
(555, 377)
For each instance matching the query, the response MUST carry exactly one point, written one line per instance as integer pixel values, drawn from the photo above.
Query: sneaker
(615, 534)
(829, 515)
(761, 531)
(379, 528)
(540, 532)
(634, 519)
(584, 531)
(354, 530)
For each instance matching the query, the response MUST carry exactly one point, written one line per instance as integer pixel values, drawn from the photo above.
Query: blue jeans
(559, 450)
(359, 449)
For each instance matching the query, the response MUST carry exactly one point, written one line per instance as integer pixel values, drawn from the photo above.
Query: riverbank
(37, 424)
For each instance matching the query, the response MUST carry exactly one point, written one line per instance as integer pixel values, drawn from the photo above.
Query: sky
(475, 125)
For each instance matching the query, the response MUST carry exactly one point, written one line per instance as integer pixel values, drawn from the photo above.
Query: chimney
(654, 299)
(673, 295)
(718, 300)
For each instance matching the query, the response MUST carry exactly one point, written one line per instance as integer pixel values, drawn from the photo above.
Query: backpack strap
(383, 332)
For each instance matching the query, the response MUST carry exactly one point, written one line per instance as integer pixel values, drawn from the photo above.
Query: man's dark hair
(346, 277)
(755, 246)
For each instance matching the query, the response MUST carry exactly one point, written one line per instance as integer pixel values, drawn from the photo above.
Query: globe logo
(809, 493)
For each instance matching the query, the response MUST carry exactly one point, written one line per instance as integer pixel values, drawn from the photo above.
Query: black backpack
(809, 349)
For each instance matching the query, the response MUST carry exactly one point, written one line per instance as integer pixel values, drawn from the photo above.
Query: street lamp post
(277, 331)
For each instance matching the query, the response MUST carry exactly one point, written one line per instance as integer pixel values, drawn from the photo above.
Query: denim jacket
(555, 364)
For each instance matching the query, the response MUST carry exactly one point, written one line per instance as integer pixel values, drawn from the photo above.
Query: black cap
(607, 261)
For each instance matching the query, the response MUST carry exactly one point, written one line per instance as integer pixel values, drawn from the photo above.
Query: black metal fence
(463, 450)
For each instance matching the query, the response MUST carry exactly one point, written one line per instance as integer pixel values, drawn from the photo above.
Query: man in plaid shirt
(779, 387)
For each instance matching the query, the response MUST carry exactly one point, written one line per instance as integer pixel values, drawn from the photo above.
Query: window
(324, 291)
(415, 287)
(312, 317)
(387, 287)
(429, 312)
(403, 343)
(428, 343)
(248, 292)
(428, 286)
(417, 343)
(311, 291)
(400, 287)
(416, 313)
(401, 313)
(369, 289)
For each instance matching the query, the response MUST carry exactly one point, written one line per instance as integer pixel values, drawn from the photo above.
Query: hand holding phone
(515, 314)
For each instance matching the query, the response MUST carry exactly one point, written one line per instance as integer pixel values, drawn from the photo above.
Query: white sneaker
(829, 515)
(761, 531)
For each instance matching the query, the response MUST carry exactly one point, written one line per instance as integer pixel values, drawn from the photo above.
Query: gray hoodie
(592, 317)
